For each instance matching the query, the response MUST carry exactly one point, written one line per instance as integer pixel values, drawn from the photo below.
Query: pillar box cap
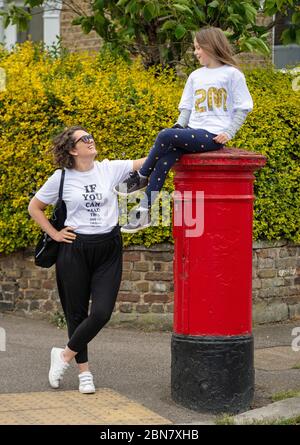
(223, 159)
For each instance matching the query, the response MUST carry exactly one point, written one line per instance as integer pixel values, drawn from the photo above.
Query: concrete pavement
(134, 367)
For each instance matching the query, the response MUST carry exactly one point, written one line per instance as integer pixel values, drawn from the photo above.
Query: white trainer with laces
(57, 368)
(86, 384)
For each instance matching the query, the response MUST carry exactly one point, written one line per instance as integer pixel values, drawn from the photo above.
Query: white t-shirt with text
(92, 206)
(213, 95)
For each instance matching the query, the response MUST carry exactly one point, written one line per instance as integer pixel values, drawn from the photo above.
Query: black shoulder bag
(46, 250)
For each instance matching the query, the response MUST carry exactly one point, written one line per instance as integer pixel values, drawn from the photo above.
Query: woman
(89, 262)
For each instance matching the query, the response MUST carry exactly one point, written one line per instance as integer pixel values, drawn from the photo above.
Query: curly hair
(61, 146)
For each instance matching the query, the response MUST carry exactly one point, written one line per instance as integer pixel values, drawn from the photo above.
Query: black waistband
(98, 236)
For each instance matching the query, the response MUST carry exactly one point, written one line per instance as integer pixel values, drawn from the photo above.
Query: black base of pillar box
(213, 374)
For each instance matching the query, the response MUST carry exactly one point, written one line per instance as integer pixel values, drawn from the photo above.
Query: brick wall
(146, 293)
(72, 36)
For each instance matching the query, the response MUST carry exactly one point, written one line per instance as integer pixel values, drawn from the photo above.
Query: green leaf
(99, 18)
(280, 3)
(247, 46)
(287, 37)
(269, 4)
(213, 4)
(132, 7)
(265, 35)
(98, 5)
(182, 8)
(200, 14)
(122, 2)
(261, 46)
(87, 25)
(180, 31)
(6, 21)
(296, 18)
(250, 12)
(149, 11)
(183, 2)
(169, 24)
(270, 7)
(298, 36)
(99, 24)
(33, 3)
(77, 21)
(235, 19)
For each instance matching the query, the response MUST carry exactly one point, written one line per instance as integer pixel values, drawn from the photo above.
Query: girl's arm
(186, 104)
(137, 163)
(236, 123)
(242, 105)
(183, 118)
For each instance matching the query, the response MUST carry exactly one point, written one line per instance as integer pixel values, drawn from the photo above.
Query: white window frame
(51, 18)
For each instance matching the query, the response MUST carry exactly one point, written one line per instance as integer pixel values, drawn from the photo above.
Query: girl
(89, 262)
(213, 106)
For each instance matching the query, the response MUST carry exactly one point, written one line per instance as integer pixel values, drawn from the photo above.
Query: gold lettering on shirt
(202, 98)
(215, 97)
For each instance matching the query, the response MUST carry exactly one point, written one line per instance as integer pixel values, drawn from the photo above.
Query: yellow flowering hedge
(124, 106)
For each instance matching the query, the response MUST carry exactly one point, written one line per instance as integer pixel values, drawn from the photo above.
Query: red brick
(157, 298)
(132, 256)
(133, 298)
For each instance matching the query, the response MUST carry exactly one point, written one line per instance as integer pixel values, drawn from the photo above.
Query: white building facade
(44, 26)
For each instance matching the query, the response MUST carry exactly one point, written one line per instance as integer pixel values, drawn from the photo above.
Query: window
(284, 55)
(35, 31)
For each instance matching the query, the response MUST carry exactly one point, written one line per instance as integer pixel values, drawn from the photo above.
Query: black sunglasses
(86, 138)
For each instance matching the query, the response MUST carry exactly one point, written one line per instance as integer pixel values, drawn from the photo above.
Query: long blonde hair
(214, 42)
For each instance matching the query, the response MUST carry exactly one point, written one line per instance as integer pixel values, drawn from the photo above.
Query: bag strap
(61, 186)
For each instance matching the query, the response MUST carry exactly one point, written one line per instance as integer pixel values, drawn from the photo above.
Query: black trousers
(89, 268)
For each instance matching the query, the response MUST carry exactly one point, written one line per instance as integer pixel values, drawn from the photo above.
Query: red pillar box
(212, 343)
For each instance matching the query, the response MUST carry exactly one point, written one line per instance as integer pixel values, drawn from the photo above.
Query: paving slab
(277, 358)
(105, 407)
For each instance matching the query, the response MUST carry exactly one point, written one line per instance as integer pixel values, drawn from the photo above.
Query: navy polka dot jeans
(169, 146)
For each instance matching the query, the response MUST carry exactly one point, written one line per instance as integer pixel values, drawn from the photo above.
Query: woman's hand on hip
(65, 235)
(221, 138)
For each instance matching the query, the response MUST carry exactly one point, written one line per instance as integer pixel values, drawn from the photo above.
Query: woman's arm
(36, 211)
(137, 163)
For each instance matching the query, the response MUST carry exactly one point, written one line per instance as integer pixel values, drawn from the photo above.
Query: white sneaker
(86, 384)
(57, 368)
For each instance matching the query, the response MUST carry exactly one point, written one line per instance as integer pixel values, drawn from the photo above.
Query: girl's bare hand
(65, 235)
(221, 138)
